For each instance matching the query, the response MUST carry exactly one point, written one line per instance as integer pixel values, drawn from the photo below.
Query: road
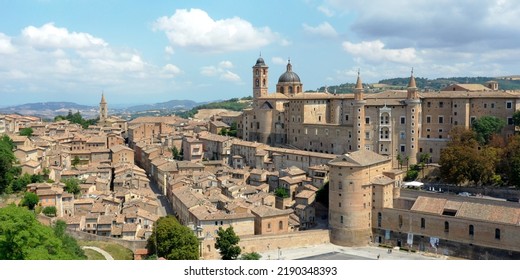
(165, 206)
(101, 251)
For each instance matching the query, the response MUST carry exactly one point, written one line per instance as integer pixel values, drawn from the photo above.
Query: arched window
(257, 83)
(446, 226)
(257, 72)
(290, 89)
(471, 230)
(280, 225)
(263, 82)
(497, 233)
(379, 219)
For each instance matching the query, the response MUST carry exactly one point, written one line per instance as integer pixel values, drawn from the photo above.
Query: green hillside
(424, 83)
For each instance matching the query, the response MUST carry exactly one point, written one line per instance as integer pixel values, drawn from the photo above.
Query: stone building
(391, 123)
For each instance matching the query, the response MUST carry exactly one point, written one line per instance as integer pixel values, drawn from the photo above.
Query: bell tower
(260, 78)
(103, 109)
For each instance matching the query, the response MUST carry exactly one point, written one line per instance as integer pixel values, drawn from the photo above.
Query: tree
(22, 237)
(175, 153)
(173, 241)
(49, 211)
(30, 200)
(8, 172)
(516, 118)
(400, 161)
(322, 195)
(226, 242)
(28, 131)
(250, 256)
(424, 161)
(20, 183)
(465, 160)
(486, 126)
(70, 245)
(75, 161)
(281, 192)
(72, 186)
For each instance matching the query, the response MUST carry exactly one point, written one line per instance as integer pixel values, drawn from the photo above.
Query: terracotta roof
(266, 211)
(382, 180)
(305, 194)
(429, 205)
(119, 148)
(489, 213)
(359, 158)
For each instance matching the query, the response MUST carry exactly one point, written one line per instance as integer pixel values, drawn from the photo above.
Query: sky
(142, 52)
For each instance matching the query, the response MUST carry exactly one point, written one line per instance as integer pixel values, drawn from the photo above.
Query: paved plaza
(334, 252)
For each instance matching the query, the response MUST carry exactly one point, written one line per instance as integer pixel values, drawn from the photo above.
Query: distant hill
(42, 106)
(504, 83)
(168, 105)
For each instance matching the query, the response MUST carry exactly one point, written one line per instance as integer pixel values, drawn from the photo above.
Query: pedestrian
(378, 256)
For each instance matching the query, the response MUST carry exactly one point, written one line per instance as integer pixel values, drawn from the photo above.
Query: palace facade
(406, 122)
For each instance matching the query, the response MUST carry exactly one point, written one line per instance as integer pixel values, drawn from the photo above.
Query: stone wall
(262, 243)
(447, 247)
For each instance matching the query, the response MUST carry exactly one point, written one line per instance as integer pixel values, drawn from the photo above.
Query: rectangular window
(429, 104)
(402, 135)
(403, 148)
(509, 105)
(367, 135)
(423, 223)
(428, 119)
(346, 117)
(441, 104)
(367, 120)
(510, 121)
(403, 119)
(441, 119)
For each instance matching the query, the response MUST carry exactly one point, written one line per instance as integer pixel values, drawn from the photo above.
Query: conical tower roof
(103, 101)
(411, 83)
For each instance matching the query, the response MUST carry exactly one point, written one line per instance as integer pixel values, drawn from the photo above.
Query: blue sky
(155, 51)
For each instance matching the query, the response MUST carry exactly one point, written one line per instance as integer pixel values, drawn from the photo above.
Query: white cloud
(278, 60)
(171, 69)
(326, 11)
(50, 36)
(323, 30)
(53, 59)
(6, 47)
(221, 71)
(169, 50)
(196, 30)
(375, 51)
(209, 71)
(225, 64)
(230, 76)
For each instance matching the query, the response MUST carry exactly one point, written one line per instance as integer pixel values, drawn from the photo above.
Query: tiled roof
(359, 158)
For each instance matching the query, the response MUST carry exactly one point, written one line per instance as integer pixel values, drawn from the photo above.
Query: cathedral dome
(289, 76)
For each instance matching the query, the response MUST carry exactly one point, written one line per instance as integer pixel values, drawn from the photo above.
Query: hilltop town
(264, 182)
